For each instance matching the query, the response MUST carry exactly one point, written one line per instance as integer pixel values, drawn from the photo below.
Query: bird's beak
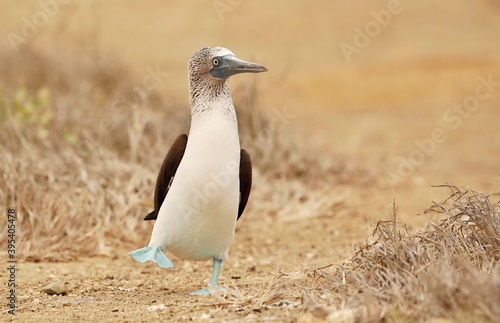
(230, 65)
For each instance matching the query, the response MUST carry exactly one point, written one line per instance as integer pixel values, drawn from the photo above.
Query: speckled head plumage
(200, 63)
(208, 71)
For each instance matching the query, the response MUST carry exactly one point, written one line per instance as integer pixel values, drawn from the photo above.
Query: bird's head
(218, 63)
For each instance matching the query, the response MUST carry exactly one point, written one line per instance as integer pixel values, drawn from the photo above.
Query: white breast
(198, 216)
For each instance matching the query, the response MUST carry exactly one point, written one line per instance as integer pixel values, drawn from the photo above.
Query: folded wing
(167, 173)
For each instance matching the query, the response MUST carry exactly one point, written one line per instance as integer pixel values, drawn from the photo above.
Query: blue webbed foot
(201, 292)
(212, 286)
(154, 254)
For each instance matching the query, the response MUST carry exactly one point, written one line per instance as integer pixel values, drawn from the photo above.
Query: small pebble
(205, 317)
(55, 288)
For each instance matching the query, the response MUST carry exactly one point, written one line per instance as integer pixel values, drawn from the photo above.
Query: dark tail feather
(151, 216)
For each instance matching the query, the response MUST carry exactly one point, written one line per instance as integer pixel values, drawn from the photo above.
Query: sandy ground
(371, 113)
(116, 288)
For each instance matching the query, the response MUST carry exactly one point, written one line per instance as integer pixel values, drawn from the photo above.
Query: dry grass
(66, 154)
(450, 269)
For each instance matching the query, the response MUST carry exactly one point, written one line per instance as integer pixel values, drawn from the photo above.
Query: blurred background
(366, 103)
(406, 93)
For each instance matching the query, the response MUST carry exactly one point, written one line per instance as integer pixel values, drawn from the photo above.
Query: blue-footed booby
(205, 179)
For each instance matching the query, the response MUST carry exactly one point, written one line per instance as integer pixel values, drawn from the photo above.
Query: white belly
(198, 216)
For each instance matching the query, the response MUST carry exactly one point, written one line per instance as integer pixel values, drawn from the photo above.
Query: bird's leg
(213, 281)
(215, 272)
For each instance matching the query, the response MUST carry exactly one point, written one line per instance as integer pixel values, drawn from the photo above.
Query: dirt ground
(117, 289)
(369, 113)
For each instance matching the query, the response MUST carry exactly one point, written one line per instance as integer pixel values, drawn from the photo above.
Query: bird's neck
(208, 97)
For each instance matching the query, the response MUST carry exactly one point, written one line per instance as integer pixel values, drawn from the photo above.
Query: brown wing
(245, 180)
(167, 173)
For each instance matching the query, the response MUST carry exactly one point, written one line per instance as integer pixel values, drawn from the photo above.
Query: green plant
(30, 110)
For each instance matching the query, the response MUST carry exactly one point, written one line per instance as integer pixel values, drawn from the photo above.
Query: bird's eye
(215, 61)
